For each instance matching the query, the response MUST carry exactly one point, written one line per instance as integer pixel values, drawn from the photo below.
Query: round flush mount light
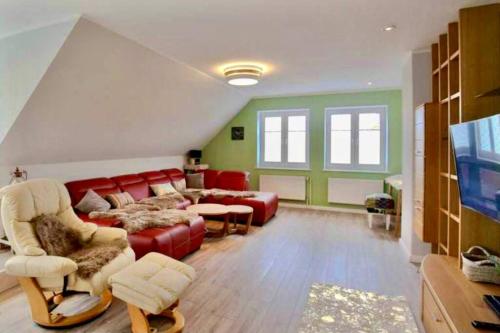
(390, 27)
(243, 75)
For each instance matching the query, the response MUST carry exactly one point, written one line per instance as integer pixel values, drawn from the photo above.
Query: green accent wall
(224, 154)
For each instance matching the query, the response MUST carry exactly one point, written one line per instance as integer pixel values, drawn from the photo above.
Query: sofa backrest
(101, 186)
(174, 174)
(210, 178)
(154, 177)
(138, 185)
(134, 184)
(232, 180)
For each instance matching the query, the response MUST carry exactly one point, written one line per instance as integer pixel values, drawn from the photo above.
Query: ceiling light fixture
(370, 83)
(243, 75)
(390, 27)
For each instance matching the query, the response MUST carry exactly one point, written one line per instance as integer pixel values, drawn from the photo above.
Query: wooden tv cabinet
(449, 301)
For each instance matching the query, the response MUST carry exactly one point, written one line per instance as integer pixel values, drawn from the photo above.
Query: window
(356, 138)
(283, 139)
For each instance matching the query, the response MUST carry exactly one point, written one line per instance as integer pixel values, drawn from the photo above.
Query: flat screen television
(476, 146)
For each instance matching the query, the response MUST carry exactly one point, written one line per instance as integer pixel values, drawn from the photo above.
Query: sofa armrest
(108, 234)
(40, 266)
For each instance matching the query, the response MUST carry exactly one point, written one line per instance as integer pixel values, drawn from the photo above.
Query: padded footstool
(381, 204)
(152, 286)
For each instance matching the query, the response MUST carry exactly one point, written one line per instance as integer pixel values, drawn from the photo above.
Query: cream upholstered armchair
(39, 273)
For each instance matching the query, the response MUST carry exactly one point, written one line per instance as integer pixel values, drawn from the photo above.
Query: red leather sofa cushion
(133, 184)
(174, 174)
(197, 234)
(210, 178)
(155, 177)
(175, 241)
(159, 177)
(232, 180)
(101, 186)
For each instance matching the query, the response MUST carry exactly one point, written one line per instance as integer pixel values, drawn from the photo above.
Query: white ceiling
(311, 45)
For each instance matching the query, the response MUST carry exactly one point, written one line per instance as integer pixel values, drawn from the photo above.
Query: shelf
(443, 174)
(455, 96)
(436, 71)
(455, 55)
(494, 92)
(444, 211)
(455, 218)
(454, 177)
(444, 64)
(444, 101)
(443, 247)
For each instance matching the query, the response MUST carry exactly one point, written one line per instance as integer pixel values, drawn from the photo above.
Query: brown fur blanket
(218, 193)
(57, 239)
(134, 221)
(166, 201)
(90, 259)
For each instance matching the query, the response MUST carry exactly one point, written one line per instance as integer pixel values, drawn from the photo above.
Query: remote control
(493, 302)
(482, 325)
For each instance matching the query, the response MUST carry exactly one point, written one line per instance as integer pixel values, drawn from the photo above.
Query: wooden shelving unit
(465, 87)
(446, 91)
(465, 79)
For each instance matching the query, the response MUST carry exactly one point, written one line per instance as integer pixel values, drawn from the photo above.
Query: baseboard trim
(416, 259)
(324, 208)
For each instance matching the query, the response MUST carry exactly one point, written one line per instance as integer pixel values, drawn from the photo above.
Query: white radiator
(352, 191)
(287, 187)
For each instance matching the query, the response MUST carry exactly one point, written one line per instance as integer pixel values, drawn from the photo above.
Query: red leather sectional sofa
(179, 240)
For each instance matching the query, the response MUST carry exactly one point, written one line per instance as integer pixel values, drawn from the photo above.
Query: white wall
(90, 169)
(24, 59)
(417, 89)
(105, 96)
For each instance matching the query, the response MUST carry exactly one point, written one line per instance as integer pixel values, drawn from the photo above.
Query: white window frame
(284, 139)
(355, 111)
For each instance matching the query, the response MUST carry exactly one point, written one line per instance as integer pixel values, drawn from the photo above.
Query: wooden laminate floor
(260, 282)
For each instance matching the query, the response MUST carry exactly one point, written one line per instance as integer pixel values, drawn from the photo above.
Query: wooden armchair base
(140, 322)
(40, 306)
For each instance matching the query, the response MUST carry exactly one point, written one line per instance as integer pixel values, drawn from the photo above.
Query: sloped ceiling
(107, 97)
(24, 58)
(312, 45)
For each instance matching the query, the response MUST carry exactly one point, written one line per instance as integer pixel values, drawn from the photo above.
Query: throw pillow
(162, 189)
(55, 237)
(92, 202)
(195, 180)
(180, 185)
(120, 200)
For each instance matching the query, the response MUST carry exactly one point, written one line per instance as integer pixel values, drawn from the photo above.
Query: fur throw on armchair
(60, 240)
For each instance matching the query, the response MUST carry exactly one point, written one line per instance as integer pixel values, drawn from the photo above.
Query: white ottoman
(153, 285)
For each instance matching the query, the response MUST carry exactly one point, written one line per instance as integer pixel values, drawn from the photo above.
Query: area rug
(331, 308)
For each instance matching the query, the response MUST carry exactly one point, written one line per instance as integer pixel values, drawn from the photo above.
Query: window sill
(284, 168)
(358, 171)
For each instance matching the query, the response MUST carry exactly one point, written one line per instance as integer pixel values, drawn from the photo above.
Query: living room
(249, 166)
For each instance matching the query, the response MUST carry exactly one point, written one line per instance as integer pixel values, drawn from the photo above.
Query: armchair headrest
(24, 201)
